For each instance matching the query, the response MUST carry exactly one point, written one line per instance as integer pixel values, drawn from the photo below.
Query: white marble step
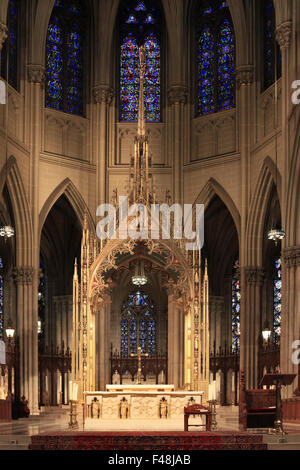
(288, 446)
(13, 447)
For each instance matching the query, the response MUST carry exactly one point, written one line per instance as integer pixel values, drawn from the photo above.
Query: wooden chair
(199, 410)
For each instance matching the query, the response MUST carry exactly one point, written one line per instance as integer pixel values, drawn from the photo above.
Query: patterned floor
(15, 435)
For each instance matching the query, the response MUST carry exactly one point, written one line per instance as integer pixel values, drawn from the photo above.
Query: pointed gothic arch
(258, 211)
(293, 193)
(212, 188)
(21, 212)
(140, 23)
(75, 199)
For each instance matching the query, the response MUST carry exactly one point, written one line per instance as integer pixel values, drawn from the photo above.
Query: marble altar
(144, 401)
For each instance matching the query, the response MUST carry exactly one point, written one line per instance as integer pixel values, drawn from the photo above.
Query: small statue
(168, 197)
(163, 408)
(95, 409)
(114, 198)
(124, 409)
(191, 401)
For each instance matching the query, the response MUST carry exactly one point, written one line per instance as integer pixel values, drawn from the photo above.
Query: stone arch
(106, 17)
(212, 188)
(293, 195)
(10, 175)
(75, 199)
(114, 246)
(258, 210)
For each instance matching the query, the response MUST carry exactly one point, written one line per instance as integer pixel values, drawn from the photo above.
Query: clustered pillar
(290, 328)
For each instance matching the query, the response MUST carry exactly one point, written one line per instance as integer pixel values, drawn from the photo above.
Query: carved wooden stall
(225, 360)
(51, 361)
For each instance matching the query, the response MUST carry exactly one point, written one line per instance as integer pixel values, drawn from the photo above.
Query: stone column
(283, 37)
(252, 323)
(246, 105)
(170, 338)
(103, 343)
(177, 96)
(103, 97)
(290, 320)
(27, 335)
(33, 118)
(175, 340)
(227, 319)
(217, 322)
(181, 346)
(58, 312)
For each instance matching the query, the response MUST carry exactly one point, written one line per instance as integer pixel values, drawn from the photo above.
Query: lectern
(278, 380)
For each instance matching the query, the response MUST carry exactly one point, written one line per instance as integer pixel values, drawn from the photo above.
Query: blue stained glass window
(277, 299)
(141, 6)
(1, 299)
(236, 308)
(9, 55)
(138, 326)
(64, 57)
(271, 51)
(206, 80)
(216, 59)
(124, 337)
(140, 25)
(226, 66)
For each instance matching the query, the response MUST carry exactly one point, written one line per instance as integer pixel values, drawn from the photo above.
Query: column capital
(178, 94)
(36, 74)
(244, 75)
(255, 275)
(291, 256)
(103, 94)
(3, 34)
(23, 275)
(284, 34)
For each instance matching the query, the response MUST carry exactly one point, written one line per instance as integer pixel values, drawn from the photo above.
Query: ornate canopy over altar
(184, 279)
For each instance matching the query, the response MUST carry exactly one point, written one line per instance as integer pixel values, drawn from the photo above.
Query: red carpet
(147, 441)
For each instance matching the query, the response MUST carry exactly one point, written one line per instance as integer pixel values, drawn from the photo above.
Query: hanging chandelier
(7, 232)
(139, 278)
(276, 234)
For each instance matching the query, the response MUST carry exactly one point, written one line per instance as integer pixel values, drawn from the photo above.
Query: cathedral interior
(221, 123)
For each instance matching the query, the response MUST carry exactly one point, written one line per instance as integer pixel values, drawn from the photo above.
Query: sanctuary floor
(16, 434)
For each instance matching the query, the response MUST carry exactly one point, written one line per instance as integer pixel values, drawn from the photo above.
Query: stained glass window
(1, 299)
(140, 24)
(271, 50)
(65, 57)
(138, 326)
(216, 59)
(236, 307)
(277, 299)
(9, 55)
